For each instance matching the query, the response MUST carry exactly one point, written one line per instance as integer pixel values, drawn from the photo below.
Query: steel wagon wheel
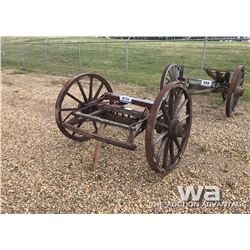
(76, 94)
(168, 127)
(235, 89)
(170, 74)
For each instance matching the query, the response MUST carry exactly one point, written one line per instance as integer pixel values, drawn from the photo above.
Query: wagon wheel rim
(171, 115)
(81, 90)
(170, 73)
(235, 89)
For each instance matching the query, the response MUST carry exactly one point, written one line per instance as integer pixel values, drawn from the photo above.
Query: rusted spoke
(171, 111)
(241, 81)
(160, 137)
(165, 157)
(78, 125)
(160, 151)
(162, 124)
(98, 91)
(177, 143)
(67, 117)
(167, 79)
(178, 96)
(183, 118)
(82, 91)
(74, 98)
(171, 150)
(73, 121)
(165, 113)
(170, 74)
(175, 72)
(69, 109)
(90, 88)
(181, 106)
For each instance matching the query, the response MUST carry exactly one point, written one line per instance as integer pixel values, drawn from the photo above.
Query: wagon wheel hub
(239, 91)
(176, 129)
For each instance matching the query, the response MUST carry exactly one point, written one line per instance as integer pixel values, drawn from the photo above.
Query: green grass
(146, 60)
(246, 96)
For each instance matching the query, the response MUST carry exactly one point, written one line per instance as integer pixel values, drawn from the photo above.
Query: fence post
(2, 52)
(79, 58)
(126, 61)
(46, 55)
(21, 56)
(203, 57)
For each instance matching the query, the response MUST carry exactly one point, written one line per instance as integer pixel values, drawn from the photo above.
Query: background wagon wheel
(170, 74)
(235, 89)
(168, 127)
(76, 93)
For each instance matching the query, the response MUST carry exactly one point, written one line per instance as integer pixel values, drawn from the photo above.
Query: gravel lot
(45, 172)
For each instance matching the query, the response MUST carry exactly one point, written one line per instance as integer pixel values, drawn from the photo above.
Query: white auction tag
(206, 83)
(125, 99)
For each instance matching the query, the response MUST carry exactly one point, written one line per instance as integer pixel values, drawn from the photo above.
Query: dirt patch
(45, 172)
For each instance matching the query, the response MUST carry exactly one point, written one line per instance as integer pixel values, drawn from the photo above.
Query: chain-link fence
(140, 62)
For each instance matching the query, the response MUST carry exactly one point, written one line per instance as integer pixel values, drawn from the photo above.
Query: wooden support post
(98, 148)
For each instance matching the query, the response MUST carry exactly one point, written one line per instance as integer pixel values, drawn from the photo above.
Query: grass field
(146, 60)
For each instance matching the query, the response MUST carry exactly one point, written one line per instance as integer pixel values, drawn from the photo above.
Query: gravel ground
(45, 172)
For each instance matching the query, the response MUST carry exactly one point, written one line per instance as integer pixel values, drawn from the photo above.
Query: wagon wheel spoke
(173, 73)
(74, 98)
(167, 79)
(178, 97)
(171, 150)
(181, 106)
(165, 157)
(78, 126)
(159, 138)
(67, 117)
(177, 73)
(160, 151)
(183, 118)
(177, 101)
(171, 106)
(177, 143)
(69, 109)
(90, 88)
(165, 113)
(170, 74)
(98, 91)
(73, 121)
(82, 91)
